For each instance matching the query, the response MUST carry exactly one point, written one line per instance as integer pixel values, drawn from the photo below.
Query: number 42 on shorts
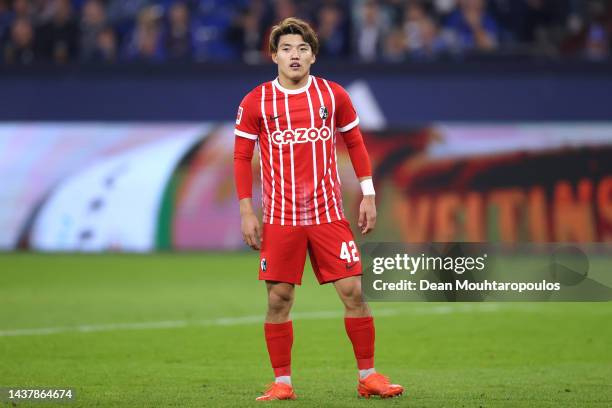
(349, 256)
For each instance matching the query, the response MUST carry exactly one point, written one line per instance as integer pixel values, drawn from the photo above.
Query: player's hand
(251, 231)
(367, 214)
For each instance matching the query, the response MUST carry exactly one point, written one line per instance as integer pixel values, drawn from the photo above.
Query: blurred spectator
(593, 38)
(125, 11)
(22, 9)
(395, 46)
(178, 38)
(145, 44)
(106, 50)
(41, 11)
(58, 38)
(20, 49)
(394, 11)
(509, 15)
(597, 45)
(414, 15)
(6, 17)
(540, 24)
(371, 31)
(474, 28)
(213, 21)
(284, 9)
(424, 39)
(281, 9)
(245, 34)
(122, 15)
(332, 32)
(445, 7)
(93, 21)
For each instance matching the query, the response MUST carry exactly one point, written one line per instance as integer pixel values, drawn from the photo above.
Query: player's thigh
(283, 253)
(333, 252)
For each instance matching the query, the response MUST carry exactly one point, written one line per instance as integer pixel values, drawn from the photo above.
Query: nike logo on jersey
(301, 135)
(350, 265)
(274, 117)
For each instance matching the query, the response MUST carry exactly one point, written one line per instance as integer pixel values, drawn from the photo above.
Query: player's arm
(243, 174)
(347, 123)
(247, 131)
(363, 170)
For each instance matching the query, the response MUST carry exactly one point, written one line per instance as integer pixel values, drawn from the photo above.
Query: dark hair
(294, 25)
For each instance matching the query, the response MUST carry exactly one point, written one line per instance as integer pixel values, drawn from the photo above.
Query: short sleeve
(346, 116)
(248, 118)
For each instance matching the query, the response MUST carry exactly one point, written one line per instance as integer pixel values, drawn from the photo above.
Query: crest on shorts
(323, 112)
(264, 265)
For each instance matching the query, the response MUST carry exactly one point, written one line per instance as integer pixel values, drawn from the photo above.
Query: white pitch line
(235, 321)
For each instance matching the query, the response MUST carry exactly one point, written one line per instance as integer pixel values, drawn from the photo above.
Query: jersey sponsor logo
(323, 112)
(301, 135)
(239, 115)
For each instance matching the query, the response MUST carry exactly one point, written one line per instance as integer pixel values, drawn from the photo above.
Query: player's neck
(288, 83)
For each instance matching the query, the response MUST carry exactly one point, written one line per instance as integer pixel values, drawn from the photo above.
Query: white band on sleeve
(349, 126)
(367, 187)
(245, 134)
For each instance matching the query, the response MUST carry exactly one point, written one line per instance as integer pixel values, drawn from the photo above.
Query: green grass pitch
(185, 331)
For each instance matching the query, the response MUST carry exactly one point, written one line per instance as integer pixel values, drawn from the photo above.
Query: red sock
(279, 339)
(361, 332)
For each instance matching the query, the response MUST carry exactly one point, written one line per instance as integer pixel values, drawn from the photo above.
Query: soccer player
(296, 119)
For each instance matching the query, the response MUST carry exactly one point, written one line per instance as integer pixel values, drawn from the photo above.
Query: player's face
(293, 57)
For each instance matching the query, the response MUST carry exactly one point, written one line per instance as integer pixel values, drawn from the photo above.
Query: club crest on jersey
(264, 265)
(323, 112)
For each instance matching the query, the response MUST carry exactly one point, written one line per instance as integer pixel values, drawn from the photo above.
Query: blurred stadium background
(486, 121)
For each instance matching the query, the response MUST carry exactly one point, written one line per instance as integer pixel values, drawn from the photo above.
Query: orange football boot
(278, 391)
(378, 384)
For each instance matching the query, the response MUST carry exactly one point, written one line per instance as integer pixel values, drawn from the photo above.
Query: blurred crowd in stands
(114, 31)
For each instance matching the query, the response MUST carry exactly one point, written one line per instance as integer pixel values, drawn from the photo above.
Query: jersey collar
(292, 91)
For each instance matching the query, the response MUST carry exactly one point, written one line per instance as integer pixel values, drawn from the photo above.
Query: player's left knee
(358, 301)
(358, 307)
(352, 296)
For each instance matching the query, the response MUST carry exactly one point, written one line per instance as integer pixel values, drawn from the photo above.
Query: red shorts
(332, 249)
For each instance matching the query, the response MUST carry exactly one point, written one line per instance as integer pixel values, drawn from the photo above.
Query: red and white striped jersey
(296, 131)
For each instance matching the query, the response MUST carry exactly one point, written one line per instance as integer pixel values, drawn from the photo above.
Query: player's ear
(275, 58)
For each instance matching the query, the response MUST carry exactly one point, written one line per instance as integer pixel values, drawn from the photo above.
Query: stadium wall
(406, 94)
